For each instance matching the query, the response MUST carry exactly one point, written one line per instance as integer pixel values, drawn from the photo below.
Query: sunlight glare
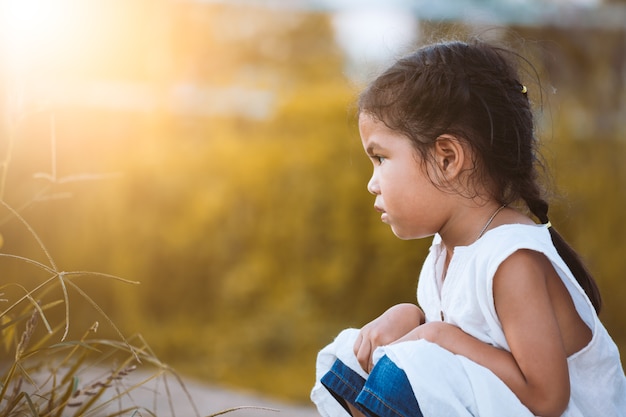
(35, 30)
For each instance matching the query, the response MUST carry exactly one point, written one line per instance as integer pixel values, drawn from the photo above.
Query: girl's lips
(383, 216)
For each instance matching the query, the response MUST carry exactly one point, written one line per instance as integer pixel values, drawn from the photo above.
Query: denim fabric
(385, 393)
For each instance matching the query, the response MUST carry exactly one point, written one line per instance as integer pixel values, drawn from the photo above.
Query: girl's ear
(449, 156)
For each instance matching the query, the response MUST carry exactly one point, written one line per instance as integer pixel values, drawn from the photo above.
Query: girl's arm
(536, 368)
(387, 328)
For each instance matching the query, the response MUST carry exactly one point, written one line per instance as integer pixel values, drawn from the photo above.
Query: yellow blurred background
(208, 149)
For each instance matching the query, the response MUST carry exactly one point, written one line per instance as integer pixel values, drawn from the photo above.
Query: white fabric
(445, 385)
(465, 298)
(340, 348)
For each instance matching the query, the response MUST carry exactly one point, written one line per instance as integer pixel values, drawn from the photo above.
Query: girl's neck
(468, 224)
(467, 239)
(493, 216)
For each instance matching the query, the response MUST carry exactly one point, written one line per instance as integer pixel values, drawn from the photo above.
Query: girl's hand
(387, 328)
(431, 332)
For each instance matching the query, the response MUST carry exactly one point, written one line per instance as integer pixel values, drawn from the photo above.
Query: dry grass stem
(243, 407)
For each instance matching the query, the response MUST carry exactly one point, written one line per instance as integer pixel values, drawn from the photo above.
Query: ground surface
(209, 400)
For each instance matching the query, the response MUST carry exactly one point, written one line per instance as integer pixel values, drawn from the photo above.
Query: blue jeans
(385, 393)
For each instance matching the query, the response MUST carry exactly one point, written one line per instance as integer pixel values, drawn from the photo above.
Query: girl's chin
(401, 234)
(406, 235)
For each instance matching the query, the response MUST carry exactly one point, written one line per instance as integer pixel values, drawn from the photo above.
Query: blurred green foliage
(254, 240)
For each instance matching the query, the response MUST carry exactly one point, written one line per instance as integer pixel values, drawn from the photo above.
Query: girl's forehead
(377, 136)
(372, 126)
(369, 123)
(370, 129)
(366, 116)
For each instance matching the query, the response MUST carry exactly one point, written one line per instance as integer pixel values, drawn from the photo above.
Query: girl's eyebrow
(371, 147)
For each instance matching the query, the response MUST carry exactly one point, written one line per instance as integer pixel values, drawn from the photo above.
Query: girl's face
(405, 196)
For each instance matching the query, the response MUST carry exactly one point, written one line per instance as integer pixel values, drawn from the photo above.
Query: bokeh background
(209, 150)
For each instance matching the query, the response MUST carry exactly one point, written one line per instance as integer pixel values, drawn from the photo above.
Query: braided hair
(472, 91)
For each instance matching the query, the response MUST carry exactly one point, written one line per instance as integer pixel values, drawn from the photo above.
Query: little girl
(508, 322)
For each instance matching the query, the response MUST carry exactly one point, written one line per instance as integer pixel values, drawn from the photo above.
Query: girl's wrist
(434, 332)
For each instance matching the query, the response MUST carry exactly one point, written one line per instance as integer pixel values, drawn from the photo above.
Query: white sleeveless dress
(465, 299)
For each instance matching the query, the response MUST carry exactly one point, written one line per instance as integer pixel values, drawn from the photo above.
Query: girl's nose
(372, 186)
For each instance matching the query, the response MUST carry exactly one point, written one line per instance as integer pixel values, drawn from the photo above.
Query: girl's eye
(379, 159)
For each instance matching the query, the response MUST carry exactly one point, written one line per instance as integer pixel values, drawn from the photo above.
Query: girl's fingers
(357, 343)
(364, 354)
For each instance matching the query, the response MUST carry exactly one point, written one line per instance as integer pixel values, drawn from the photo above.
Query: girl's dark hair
(473, 92)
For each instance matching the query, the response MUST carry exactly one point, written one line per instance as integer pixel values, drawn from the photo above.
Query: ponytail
(539, 208)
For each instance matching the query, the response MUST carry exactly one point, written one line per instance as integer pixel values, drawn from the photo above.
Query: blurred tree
(249, 237)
